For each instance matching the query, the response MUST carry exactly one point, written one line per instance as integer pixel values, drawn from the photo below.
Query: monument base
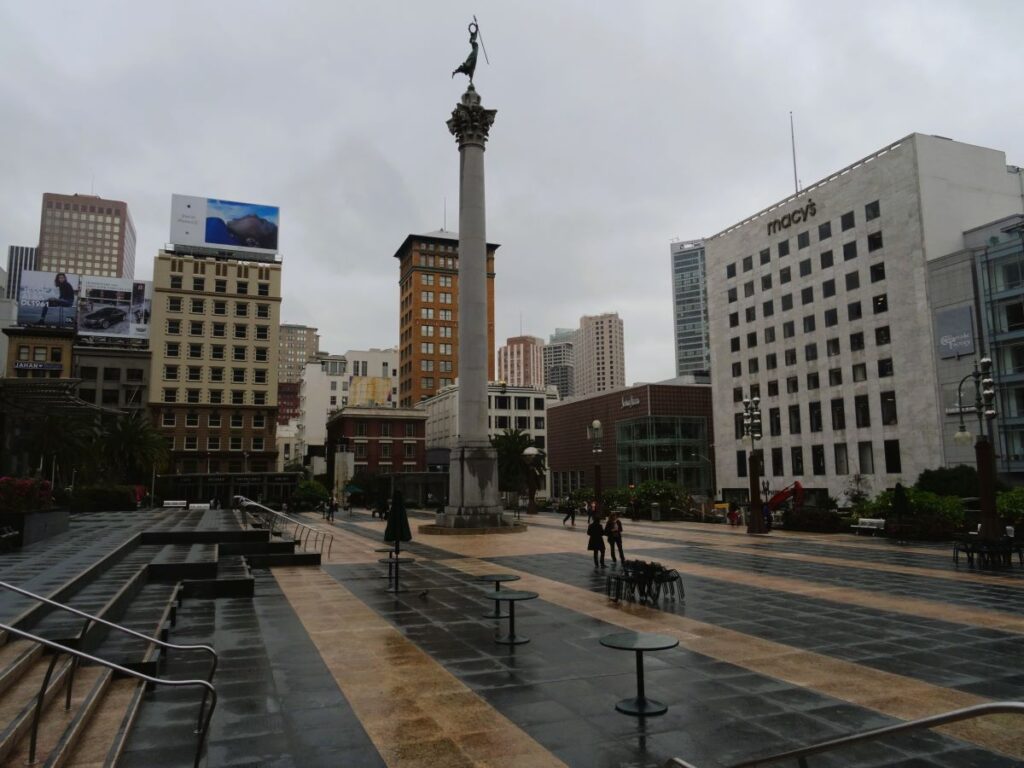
(473, 497)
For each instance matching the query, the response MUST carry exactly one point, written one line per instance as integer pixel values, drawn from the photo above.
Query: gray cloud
(619, 127)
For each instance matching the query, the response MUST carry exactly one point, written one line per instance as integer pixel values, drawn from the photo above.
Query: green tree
(308, 495)
(62, 443)
(518, 471)
(1010, 506)
(961, 481)
(131, 447)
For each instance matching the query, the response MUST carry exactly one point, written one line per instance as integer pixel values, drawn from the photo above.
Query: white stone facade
(817, 327)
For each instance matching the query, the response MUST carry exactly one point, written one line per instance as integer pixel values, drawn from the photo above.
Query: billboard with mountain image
(224, 224)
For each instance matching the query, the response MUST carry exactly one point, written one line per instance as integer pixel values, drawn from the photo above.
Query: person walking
(595, 541)
(571, 514)
(613, 530)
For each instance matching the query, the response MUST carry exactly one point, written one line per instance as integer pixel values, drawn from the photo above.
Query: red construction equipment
(794, 491)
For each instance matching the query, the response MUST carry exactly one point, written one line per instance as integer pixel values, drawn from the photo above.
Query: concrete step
(184, 561)
(19, 702)
(103, 736)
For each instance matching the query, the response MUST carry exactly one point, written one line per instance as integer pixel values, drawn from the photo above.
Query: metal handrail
(319, 537)
(800, 754)
(209, 692)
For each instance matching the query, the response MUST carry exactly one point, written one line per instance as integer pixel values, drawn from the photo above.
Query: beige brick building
(87, 235)
(296, 345)
(213, 376)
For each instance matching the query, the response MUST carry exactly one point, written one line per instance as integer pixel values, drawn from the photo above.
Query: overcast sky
(620, 127)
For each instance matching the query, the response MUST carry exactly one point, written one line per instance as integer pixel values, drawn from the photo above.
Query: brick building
(650, 432)
(429, 314)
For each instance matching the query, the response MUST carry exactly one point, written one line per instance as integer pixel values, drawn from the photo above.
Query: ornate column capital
(470, 123)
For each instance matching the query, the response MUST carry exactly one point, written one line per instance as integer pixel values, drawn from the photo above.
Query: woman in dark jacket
(65, 295)
(595, 542)
(613, 530)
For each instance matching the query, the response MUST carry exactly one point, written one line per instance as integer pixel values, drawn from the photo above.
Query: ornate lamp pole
(752, 430)
(984, 406)
(594, 433)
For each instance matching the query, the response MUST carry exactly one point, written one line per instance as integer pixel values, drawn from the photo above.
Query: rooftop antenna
(482, 46)
(792, 142)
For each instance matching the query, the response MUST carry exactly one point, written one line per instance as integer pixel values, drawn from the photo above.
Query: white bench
(204, 505)
(873, 524)
(182, 504)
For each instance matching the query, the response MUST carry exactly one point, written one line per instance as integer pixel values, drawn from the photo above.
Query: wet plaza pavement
(785, 640)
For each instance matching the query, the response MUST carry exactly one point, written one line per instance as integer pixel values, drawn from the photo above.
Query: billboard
(48, 299)
(954, 332)
(224, 224)
(114, 306)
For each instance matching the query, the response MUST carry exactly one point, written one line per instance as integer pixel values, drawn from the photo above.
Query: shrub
(24, 494)
(930, 516)
(308, 495)
(811, 519)
(104, 498)
(1010, 506)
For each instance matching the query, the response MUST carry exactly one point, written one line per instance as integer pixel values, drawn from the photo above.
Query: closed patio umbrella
(397, 530)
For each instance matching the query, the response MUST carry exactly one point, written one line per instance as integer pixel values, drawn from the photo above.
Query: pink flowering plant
(24, 494)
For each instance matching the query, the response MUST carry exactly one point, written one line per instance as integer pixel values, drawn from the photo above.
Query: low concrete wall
(36, 526)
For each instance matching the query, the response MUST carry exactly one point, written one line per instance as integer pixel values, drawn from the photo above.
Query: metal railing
(89, 621)
(302, 532)
(205, 713)
(802, 753)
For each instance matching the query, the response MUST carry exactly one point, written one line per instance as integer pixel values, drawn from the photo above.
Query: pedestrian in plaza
(595, 541)
(571, 514)
(613, 530)
(331, 509)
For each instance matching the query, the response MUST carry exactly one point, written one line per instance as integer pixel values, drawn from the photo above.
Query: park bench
(872, 524)
(181, 504)
(200, 506)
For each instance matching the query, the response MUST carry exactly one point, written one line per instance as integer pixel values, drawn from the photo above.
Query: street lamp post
(984, 407)
(530, 454)
(752, 430)
(594, 432)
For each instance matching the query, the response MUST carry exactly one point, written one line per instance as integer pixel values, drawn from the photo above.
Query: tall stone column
(473, 496)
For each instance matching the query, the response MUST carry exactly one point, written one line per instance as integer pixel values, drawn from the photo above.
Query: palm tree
(519, 470)
(132, 446)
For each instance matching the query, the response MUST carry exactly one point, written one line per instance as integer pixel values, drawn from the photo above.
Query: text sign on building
(31, 365)
(793, 217)
(954, 332)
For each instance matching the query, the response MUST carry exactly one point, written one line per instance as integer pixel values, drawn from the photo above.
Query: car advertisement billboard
(114, 306)
(48, 299)
(224, 224)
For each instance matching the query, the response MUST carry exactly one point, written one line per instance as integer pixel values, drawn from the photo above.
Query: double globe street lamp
(984, 407)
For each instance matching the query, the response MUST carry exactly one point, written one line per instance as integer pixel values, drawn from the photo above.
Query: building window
(847, 221)
(741, 463)
(773, 385)
(880, 304)
(220, 286)
(769, 334)
(262, 289)
(785, 275)
(171, 349)
(241, 331)
(241, 309)
(825, 230)
(796, 457)
(818, 459)
(216, 396)
(263, 311)
(872, 211)
(197, 306)
(748, 263)
(789, 356)
(885, 367)
(191, 419)
(860, 372)
(170, 395)
(766, 282)
(832, 347)
(262, 332)
(237, 397)
(803, 240)
(874, 242)
(810, 352)
(852, 281)
(861, 411)
(808, 323)
(168, 419)
(176, 282)
(794, 419)
(849, 251)
(866, 457)
(193, 395)
(262, 355)
(751, 339)
(195, 373)
(191, 442)
(786, 301)
(784, 248)
(853, 311)
(217, 352)
(831, 317)
(774, 422)
(259, 421)
(828, 288)
(238, 353)
(765, 255)
(893, 465)
(877, 272)
(807, 295)
(213, 443)
(170, 373)
(805, 267)
(174, 304)
(882, 336)
(220, 307)
(771, 361)
(734, 319)
(257, 443)
(238, 375)
(195, 351)
(838, 408)
(195, 328)
(826, 259)
(242, 287)
(857, 341)
(173, 327)
(835, 377)
(235, 443)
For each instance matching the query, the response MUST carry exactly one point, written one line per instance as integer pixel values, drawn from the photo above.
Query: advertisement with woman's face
(48, 299)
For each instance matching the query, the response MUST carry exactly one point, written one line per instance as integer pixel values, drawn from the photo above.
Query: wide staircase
(73, 684)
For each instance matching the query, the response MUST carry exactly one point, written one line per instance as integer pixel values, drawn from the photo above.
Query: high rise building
(213, 376)
(372, 378)
(428, 320)
(86, 235)
(19, 258)
(297, 345)
(521, 362)
(599, 355)
(560, 362)
(690, 305)
(829, 305)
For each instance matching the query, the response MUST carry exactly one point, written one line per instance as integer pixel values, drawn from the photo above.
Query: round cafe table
(390, 551)
(639, 642)
(497, 579)
(512, 596)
